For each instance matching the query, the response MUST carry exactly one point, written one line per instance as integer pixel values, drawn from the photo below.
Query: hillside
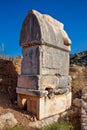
(78, 72)
(9, 70)
(79, 58)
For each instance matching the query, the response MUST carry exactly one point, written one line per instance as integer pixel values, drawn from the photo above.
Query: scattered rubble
(7, 121)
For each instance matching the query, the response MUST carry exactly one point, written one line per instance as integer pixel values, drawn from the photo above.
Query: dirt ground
(23, 117)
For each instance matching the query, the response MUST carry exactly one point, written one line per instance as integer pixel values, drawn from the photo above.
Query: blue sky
(73, 14)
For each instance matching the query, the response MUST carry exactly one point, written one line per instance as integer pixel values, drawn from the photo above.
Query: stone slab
(39, 29)
(30, 63)
(64, 81)
(44, 107)
(41, 82)
(54, 61)
(38, 82)
(41, 124)
(27, 81)
(31, 92)
(55, 106)
(45, 122)
(45, 60)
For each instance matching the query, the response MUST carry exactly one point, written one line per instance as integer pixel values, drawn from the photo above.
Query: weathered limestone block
(41, 82)
(38, 82)
(53, 61)
(7, 121)
(27, 81)
(64, 81)
(44, 84)
(57, 105)
(40, 124)
(48, 81)
(42, 106)
(45, 60)
(43, 29)
(31, 92)
(84, 109)
(30, 62)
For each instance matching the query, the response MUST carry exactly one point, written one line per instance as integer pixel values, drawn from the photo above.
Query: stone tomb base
(38, 103)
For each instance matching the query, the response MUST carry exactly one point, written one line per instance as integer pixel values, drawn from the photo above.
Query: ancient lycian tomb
(44, 85)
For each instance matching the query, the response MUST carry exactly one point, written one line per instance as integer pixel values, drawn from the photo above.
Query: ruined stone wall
(9, 70)
(84, 110)
(77, 114)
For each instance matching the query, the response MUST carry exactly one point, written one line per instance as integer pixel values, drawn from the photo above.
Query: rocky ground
(23, 117)
(10, 69)
(79, 81)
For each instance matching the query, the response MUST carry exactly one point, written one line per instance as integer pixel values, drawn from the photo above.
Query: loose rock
(7, 121)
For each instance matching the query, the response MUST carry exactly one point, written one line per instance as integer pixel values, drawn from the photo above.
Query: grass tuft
(62, 125)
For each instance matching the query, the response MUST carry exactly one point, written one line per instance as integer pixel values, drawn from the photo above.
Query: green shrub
(18, 128)
(62, 125)
(76, 56)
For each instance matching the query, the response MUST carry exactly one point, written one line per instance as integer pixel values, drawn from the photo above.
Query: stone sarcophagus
(44, 86)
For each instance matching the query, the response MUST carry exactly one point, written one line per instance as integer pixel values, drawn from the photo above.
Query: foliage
(18, 128)
(79, 58)
(76, 56)
(18, 56)
(62, 125)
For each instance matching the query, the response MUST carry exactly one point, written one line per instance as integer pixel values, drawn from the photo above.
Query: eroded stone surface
(42, 123)
(77, 102)
(44, 85)
(84, 109)
(45, 60)
(39, 28)
(43, 106)
(41, 82)
(31, 62)
(27, 81)
(54, 61)
(7, 121)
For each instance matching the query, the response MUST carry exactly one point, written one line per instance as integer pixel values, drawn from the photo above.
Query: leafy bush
(18, 128)
(62, 125)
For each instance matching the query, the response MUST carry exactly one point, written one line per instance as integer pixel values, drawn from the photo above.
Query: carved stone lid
(41, 29)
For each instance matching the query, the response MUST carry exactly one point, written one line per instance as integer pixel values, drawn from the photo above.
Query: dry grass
(79, 79)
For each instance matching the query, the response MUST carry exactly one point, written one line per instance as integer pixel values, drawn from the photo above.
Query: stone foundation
(36, 100)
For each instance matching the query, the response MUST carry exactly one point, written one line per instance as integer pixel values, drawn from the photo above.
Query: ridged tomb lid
(41, 29)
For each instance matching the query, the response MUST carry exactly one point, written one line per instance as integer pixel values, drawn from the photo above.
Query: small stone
(84, 91)
(42, 123)
(84, 116)
(84, 97)
(84, 104)
(77, 102)
(84, 124)
(7, 121)
(84, 128)
(83, 111)
(84, 120)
